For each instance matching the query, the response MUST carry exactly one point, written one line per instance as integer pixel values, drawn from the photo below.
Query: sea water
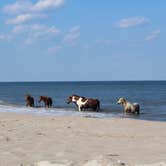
(151, 95)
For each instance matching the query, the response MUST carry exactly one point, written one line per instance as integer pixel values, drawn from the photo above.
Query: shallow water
(151, 95)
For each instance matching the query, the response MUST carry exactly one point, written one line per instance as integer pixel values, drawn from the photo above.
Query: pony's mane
(79, 96)
(76, 95)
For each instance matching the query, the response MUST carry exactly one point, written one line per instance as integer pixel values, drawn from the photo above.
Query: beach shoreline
(27, 139)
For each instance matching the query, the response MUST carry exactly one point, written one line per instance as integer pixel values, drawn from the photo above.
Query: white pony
(129, 107)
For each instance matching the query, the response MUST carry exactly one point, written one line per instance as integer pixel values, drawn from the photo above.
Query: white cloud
(20, 19)
(47, 4)
(18, 29)
(25, 10)
(42, 33)
(73, 35)
(23, 18)
(18, 7)
(153, 35)
(35, 32)
(27, 6)
(70, 38)
(132, 22)
(39, 28)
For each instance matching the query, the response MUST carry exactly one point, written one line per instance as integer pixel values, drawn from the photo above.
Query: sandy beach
(28, 140)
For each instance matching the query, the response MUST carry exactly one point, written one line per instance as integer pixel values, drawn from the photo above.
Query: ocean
(151, 95)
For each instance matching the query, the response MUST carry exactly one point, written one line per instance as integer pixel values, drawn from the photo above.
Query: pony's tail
(138, 110)
(98, 105)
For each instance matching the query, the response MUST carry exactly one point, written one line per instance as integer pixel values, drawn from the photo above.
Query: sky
(82, 40)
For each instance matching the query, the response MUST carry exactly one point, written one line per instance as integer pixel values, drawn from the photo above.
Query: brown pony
(47, 101)
(29, 101)
(84, 103)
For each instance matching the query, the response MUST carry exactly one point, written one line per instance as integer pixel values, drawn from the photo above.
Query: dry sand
(76, 141)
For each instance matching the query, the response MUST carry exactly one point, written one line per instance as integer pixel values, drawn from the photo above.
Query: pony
(84, 103)
(29, 101)
(47, 101)
(129, 107)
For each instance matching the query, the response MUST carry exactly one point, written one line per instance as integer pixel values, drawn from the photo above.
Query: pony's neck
(125, 103)
(74, 99)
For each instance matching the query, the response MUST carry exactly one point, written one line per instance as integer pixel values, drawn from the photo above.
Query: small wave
(52, 111)
(69, 111)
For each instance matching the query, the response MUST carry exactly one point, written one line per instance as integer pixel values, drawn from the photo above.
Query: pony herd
(30, 101)
(84, 103)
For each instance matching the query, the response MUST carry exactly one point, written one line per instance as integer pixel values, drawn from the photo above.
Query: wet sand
(28, 139)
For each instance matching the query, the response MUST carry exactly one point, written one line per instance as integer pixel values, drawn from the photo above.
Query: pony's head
(121, 101)
(27, 96)
(72, 98)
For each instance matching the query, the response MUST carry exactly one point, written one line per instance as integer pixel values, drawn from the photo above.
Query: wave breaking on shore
(54, 111)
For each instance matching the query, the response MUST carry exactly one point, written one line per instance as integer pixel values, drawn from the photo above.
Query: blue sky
(79, 40)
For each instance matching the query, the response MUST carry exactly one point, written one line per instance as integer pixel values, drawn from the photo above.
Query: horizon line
(85, 81)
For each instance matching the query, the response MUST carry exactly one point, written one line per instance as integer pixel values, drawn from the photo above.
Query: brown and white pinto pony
(47, 101)
(84, 103)
(29, 101)
(129, 107)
